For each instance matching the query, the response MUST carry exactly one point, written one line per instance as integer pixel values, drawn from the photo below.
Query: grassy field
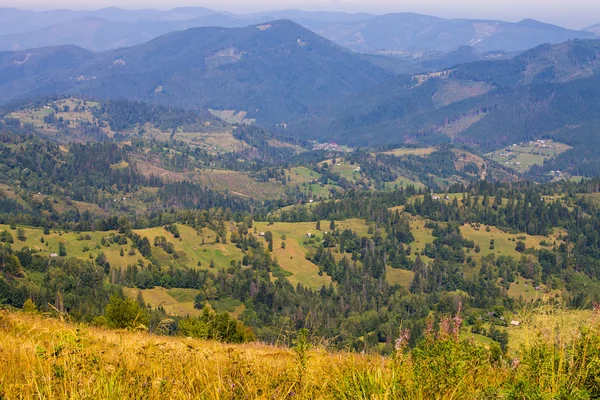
(521, 157)
(544, 320)
(46, 358)
(422, 152)
(278, 143)
(525, 290)
(422, 236)
(232, 116)
(74, 246)
(240, 183)
(181, 301)
(191, 249)
(58, 204)
(219, 142)
(174, 301)
(66, 111)
(346, 170)
(292, 258)
(399, 276)
(504, 243)
(308, 181)
(404, 181)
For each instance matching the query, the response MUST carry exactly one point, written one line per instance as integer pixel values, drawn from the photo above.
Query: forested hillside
(315, 222)
(127, 215)
(224, 69)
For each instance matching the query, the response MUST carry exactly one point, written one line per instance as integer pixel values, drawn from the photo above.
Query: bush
(124, 313)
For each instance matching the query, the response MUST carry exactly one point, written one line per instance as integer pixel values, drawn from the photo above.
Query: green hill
(272, 71)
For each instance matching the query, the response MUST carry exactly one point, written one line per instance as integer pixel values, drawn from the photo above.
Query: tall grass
(45, 358)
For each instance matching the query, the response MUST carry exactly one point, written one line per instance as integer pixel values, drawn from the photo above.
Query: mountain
(408, 32)
(309, 16)
(13, 20)
(595, 29)
(272, 71)
(397, 34)
(46, 70)
(547, 92)
(98, 34)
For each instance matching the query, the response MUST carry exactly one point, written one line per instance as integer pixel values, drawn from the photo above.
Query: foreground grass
(45, 358)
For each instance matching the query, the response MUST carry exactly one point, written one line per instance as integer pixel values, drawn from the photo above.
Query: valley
(297, 204)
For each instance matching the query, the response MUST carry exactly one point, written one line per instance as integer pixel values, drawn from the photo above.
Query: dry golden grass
(411, 151)
(45, 358)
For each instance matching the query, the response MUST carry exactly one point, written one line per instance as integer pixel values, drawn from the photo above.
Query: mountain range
(273, 71)
(549, 92)
(395, 34)
(299, 84)
(594, 29)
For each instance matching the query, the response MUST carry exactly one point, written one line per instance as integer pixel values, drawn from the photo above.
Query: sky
(572, 14)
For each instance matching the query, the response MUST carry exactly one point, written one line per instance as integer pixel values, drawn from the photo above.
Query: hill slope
(98, 34)
(594, 29)
(461, 103)
(272, 71)
(65, 360)
(402, 32)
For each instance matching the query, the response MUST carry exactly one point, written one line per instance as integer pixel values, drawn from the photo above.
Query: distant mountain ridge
(269, 70)
(411, 32)
(111, 28)
(595, 29)
(547, 92)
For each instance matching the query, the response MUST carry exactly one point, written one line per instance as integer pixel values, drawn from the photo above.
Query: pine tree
(62, 250)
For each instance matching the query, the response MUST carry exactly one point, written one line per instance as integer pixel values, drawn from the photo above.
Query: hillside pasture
(239, 183)
(82, 249)
(504, 243)
(399, 277)
(293, 258)
(190, 249)
(175, 301)
(521, 157)
(406, 151)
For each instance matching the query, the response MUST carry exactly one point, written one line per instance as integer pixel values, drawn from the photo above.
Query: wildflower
(402, 341)
(444, 332)
(429, 329)
(457, 323)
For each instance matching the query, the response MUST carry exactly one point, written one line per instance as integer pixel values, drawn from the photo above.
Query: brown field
(411, 152)
(162, 297)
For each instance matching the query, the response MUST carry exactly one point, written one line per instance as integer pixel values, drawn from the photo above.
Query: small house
(515, 323)
(53, 255)
(261, 234)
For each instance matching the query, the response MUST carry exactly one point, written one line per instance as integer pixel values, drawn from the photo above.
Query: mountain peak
(280, 23)
(532, 23)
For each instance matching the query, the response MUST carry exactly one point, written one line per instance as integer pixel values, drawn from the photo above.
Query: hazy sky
(572, 13)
